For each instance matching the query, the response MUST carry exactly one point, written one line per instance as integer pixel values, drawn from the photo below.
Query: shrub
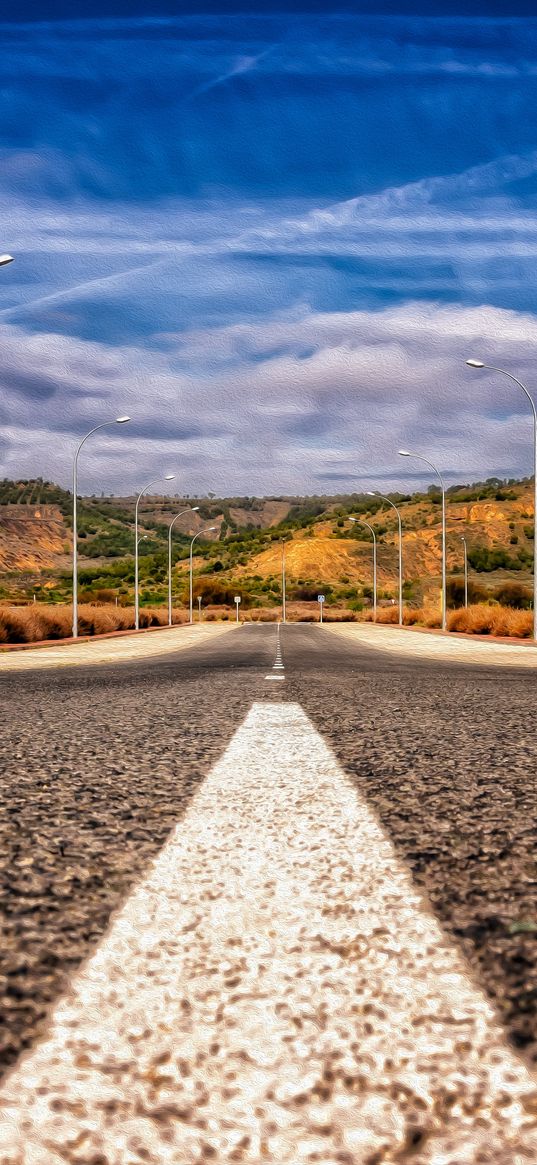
(483, 559)
(105, 595)
(216, 590)
(455, 592)
(513, 594)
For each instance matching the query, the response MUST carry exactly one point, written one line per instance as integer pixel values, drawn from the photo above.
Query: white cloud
(270, 407)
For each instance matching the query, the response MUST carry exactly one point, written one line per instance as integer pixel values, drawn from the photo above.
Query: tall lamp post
(103, 425)
(364, 523)
(168, 477)
(189, 510)
(405, 453)
(492, 368)
(376, 494)
(463, 540)
(207, 530)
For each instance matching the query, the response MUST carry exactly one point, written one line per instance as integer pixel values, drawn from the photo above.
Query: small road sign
(320, 598)
(237, 598)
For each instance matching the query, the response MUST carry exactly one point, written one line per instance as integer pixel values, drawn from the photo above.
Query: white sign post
(237, 601)
(320, 600)
(199, 608)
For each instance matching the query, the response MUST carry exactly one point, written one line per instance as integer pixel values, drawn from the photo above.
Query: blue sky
(273, 239)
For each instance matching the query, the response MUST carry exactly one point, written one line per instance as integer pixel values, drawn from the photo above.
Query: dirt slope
(32, 538)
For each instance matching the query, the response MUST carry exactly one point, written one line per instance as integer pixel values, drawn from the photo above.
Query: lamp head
(122, 420)
(372, 493)
(169, 477)
(5, 259)
(353, 519)
(475, 364)
(211, 528)
(404, 453)
(195, 508)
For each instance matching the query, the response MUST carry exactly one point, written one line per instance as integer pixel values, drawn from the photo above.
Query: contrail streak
(69, 292)
(244, 65)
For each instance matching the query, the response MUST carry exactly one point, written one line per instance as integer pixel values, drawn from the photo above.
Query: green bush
(483, 559)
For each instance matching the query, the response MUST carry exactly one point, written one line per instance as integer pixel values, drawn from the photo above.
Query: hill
(323, 550)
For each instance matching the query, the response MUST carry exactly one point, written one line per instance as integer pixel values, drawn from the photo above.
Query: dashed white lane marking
(278, 665)
(274, 991)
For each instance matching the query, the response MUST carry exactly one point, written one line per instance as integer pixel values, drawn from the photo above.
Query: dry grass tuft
(422, 616)
(38, 622)
(482, 619)
(477, 619)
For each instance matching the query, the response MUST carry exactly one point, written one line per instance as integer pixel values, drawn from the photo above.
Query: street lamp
(189, 510)
(492, 368)
(103, 425)
(405, 453)
(207, 530)
(463, 540)
(373, 493)
(5, 259)
(167, 477)
(364, 523)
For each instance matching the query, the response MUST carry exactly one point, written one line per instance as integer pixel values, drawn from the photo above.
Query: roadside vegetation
(325, 554)
(38, 622)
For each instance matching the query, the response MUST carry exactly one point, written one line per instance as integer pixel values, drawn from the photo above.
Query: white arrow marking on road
(274, 990)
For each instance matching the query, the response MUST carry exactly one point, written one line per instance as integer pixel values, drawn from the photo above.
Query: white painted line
(271, 677)
(275, 990)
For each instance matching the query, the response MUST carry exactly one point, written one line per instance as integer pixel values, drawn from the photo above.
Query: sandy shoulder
(408, 643)
(113, 650)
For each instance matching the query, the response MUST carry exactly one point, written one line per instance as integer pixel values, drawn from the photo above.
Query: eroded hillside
(322, 546)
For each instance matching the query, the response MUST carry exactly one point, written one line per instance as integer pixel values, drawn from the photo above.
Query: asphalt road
(99, 763)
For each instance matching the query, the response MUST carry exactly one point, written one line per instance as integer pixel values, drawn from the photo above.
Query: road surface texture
(275, 987)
